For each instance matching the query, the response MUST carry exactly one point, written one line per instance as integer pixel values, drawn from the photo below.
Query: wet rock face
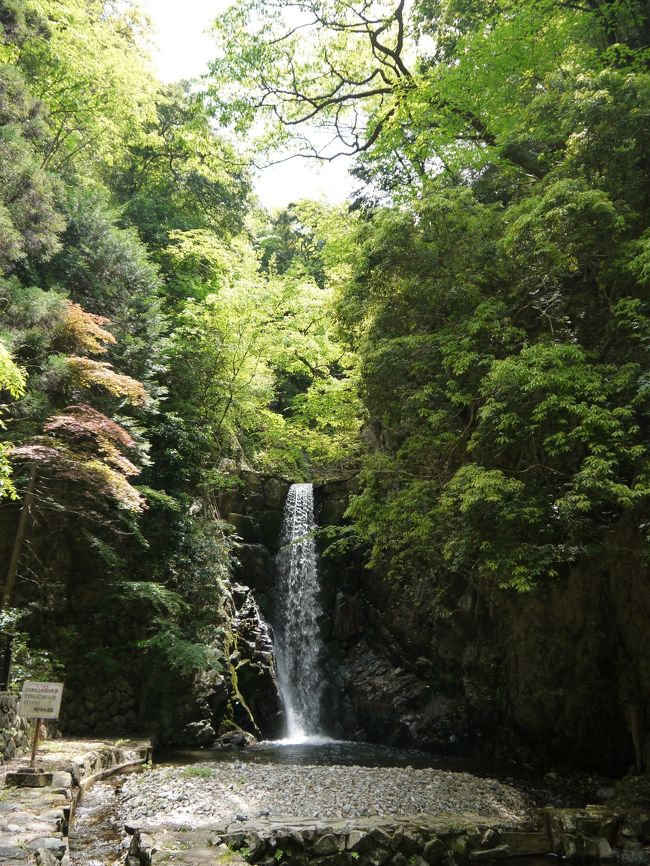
(244, 694)
(384, 703)
(348, 618)
(254, 668)
(380, 698)
(331, 501)
(275, 492)
(254, 505)
(256, 567)
(562, 673)
(239, 698)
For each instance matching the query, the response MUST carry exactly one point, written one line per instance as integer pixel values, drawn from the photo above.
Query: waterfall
(298, 644)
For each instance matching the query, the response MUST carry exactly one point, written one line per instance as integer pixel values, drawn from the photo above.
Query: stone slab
(28, 779)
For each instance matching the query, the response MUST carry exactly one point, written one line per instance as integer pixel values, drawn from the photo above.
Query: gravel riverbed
(205, 795)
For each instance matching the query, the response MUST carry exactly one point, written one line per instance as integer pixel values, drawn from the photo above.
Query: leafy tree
(29, 221)
(336, 66)
(109, 274)
(83, 449)
(97, 156)
(84, 61)
(12, 381)
(179, 175)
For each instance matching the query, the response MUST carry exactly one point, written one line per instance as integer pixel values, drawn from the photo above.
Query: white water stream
(298, 645)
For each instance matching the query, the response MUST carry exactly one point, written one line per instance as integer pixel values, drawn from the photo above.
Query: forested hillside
(464, 345)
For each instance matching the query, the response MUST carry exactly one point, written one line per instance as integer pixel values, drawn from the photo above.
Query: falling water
(298, 643)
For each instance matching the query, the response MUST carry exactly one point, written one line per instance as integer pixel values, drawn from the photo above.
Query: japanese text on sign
(40, 700)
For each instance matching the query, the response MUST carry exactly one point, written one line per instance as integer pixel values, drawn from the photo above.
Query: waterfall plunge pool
(566, 787)
(318, 751)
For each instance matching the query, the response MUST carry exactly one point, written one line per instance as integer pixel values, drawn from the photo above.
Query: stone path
(34, 821)
(416, 840)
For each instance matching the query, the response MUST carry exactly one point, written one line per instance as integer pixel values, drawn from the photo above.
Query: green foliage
(279, 66)
(198, 772)
(28, 662)
(158, 597)
(179, 176)
(110, 274)
(256, 366)
(12, 380)
(29, 221)
(88, 72)
(168, 651)
(500, 312)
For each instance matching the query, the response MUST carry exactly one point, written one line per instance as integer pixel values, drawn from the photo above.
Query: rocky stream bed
(246, 811)
(205, 794)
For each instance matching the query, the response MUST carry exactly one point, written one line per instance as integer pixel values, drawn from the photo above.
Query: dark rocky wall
(558, 674)
(255, 507)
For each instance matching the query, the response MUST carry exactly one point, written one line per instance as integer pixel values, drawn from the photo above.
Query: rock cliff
(558, 674)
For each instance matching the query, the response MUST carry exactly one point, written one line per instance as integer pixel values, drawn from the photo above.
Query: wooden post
(37, 731)
(20, 537)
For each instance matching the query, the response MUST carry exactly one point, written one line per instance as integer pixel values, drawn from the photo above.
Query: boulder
(25, 777)
(202, 733)
(328, 844)
(235, 740)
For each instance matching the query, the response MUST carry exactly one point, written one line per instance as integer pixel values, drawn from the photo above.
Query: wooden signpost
(39, 701)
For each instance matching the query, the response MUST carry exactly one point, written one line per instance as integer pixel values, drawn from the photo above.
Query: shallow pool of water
(555, 789)
(323, 751)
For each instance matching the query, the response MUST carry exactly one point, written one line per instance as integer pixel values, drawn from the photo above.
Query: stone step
(202, 848)
(522, 842)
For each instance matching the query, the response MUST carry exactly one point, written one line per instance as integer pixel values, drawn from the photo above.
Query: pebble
(236, 792)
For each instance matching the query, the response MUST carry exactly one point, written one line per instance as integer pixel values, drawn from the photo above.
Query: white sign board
(40, 700)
